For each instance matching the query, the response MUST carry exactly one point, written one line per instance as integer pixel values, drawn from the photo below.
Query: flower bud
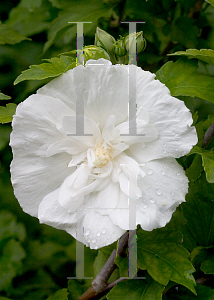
(119, 47)
(136, 37)
(104, 40)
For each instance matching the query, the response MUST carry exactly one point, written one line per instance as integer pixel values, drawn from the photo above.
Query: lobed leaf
(206, 55)
(6, 113)
(54, 67)
(136, 289)
(164, 258)
(199, 211)
(181, 79)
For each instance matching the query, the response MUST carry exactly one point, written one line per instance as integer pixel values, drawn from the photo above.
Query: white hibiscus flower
(81, 183)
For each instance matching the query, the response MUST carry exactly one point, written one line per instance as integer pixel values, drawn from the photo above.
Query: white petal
(78, 158)
(106, 93)
(171, 118)
(120, 216)
(34, 175)
(150, 133)
(163, 189)
(53, 214)
(71, 194)
(107, 199)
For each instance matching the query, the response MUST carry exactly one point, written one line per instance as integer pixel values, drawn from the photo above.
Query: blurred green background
(35, 259)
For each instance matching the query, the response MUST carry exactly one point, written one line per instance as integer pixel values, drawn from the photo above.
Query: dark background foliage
(35, 260)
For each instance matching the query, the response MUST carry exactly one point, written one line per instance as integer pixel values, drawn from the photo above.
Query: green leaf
(59, 295)
(211, 2)
(208, 161)
(93, 10)
(8, 35)
(75, 288)
(208, 265)
(99, 262)
(161, 254)
(194, 171)
(6, 113)
(56, 66)
(4, 137)
(10, 228)
(4, 97)
(10, 263)
(137, 290)
(122, 264)
(206, 55)
(183, 30)
(199, 211)
(29, 18)
(204, 292)
(3, 298)
(30, 4)
(181, 80)
(198, 255)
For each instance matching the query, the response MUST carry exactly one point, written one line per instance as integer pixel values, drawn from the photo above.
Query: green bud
(138, 37)
(119, 47)
(104, 39)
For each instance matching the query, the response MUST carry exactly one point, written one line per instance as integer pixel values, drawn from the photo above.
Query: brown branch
(100, 283)
(209, 134)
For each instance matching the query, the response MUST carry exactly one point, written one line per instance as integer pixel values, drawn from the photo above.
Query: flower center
(102, 156)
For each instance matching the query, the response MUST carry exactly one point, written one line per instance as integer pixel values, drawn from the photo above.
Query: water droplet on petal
(164, 145)
(158, 192)
(93, 240)
(152, 200)
(163, 173)
(144, 200)
(172, 194)
(156, 183)
(149, 185)
(88, 240)
(164, 151)
(96, 248)
(178, 174)
(176, 149)
(145, 206)
(103, 231)
(42, 216)
(87, 232)
(101, 216)
(55, 207)
(98, 233)
(150, 172)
